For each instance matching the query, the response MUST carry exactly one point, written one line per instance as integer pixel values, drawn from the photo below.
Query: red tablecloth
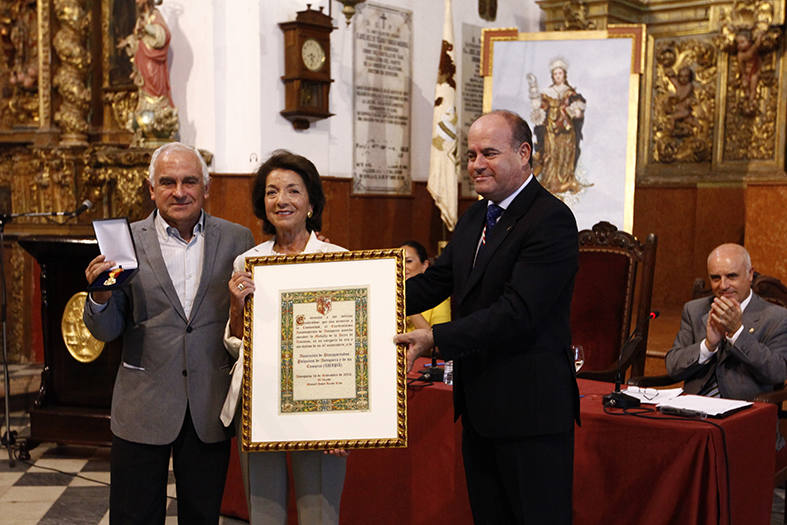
(626, 469)
(634, 470)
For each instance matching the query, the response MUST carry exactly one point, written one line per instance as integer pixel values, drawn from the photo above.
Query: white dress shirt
(183, 259)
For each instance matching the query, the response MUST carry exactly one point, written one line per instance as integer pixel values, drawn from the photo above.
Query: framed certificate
(321, 369)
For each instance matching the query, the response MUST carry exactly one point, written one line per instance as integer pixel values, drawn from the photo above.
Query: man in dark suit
(510, 267)
(733, 344)
(174, 372)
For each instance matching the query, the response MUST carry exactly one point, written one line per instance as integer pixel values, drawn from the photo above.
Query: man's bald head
(730, 271)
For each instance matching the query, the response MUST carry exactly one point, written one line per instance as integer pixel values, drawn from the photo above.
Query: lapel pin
(751, 330)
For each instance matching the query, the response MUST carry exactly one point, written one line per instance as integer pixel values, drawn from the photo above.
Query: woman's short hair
(419, 249)
(285, 160)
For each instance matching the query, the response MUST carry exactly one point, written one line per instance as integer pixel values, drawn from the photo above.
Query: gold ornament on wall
(348, 10)
(71, 77)
(123, 104)
(684, 93)
(79, 341)
(752, 92)
(575, 13)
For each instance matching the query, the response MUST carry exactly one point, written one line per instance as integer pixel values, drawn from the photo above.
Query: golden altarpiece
(66, 98)
(68, 106)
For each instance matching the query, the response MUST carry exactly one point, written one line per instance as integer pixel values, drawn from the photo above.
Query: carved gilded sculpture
(684, 93)
(575, 13)
(752, 81)
(71, 78)
(155, 119)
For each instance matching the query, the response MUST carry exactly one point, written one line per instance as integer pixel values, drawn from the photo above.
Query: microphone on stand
(433, 373)
(618, 399)
(8, 438)
(86, 205)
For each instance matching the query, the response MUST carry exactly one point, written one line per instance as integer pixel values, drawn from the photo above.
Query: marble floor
(62, 485)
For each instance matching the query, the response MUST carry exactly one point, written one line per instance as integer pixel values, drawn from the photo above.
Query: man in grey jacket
(174, 372)
(733, 344)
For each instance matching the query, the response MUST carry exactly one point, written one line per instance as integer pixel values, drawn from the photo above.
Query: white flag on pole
(443, 176)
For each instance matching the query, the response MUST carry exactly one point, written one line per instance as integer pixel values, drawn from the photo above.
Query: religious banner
(321, 369)
(381, 110)
(582, 111)
(472, 101)
(442, 183)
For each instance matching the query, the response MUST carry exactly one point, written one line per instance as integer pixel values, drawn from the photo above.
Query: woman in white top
(288, 197)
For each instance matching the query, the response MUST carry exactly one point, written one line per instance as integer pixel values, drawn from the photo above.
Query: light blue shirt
(183, 259)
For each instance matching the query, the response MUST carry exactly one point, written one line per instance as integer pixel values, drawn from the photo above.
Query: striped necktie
(711, 388)
(493, 212)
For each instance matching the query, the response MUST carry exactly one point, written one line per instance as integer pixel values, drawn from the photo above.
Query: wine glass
(578, 353)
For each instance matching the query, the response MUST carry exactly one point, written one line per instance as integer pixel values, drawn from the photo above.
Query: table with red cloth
(633, 470)
(627, 469)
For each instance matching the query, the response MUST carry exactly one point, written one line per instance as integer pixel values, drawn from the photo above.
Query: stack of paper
(710, 406)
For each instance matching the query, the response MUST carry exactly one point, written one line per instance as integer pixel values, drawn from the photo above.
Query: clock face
(313, 55)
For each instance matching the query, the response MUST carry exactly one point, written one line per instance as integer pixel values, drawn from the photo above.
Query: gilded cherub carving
(746, 34)
(683, 101)
(680, 105)
(749, 62)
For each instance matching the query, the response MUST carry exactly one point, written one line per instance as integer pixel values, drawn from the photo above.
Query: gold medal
(114, 273)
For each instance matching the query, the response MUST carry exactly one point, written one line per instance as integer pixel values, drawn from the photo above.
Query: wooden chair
(607, 295)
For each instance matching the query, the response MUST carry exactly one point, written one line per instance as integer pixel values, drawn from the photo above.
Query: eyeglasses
(649, 393)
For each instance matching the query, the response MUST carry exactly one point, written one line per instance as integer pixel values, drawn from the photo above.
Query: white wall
(226, 60)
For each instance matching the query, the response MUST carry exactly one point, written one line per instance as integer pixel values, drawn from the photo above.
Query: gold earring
(309, 215)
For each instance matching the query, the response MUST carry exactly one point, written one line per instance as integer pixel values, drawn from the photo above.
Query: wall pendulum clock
(307, 67)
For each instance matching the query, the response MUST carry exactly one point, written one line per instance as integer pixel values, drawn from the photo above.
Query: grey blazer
(756, 362)
(170, 362)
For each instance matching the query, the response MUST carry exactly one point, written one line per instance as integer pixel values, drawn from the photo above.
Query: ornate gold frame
(399, 404)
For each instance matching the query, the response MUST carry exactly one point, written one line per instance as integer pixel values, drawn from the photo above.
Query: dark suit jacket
(510, 340)
(753, 365)
(170, 361)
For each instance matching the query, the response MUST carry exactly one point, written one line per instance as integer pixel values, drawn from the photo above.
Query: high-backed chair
(611, 303)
